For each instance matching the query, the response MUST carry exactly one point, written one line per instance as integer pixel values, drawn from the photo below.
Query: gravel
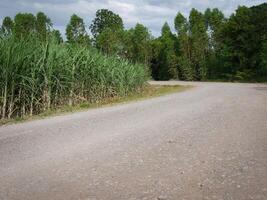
(209, 142)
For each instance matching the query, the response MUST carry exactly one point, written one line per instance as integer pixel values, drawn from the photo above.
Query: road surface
(209, 142)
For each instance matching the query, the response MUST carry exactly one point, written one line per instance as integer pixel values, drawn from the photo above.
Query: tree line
(205, 46)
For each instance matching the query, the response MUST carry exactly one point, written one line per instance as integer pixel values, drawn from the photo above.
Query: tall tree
(141, 39)
(238, 36)
(199, 39)
(43, 25)
(105, 19)
(262, 72)
(215, 22)
(24, 24)
(259, 58)
(184, 57)
(56, 35)
(164, 67)
(7, 26)
(155, 60)
(244, 36)
(110, 42)
(128, 43)
(107, 29)
(75, 31)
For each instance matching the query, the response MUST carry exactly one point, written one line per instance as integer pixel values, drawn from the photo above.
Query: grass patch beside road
(148, 91)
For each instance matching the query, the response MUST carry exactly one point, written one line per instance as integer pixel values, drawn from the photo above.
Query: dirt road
(209, 142)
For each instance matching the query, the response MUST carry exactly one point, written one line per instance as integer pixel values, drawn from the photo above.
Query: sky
(151, 13)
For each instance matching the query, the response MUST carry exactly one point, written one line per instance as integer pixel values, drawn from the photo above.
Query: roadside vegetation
(39, 71)
(145, 92)
(37, 76)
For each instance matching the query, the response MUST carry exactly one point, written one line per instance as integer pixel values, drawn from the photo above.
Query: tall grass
(36, 76)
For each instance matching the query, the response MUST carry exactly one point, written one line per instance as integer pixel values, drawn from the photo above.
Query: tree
(259, 56)
(180, 24)
(238, 37)
(215, 22)
(263, 63)
(107, 29)
(164, 60)
(137, 44)
(128, 43)
(110, 42)
(43, 25)
(7, 26)
(244, 36)
(105, 19)
(199, 39)
(75, 31)
(185, 69)
(155, 61)
(141, 44)
(56, 35)
(24, 25)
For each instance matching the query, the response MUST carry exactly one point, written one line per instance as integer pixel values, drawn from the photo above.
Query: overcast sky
(152, 13)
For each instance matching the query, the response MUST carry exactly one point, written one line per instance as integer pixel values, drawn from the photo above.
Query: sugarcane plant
(37, 76)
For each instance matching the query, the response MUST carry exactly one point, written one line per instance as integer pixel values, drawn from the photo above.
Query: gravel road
(209, 142)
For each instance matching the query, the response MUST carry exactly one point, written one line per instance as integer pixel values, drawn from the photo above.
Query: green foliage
(259, 19)
(110, 42)
(215, 21)
(137, 43)
(57, 36)
(7, 26)
(39, 71)
(263, 60)
(107, 29)
(244, 36)
(43, 26)
(238, 35)
(180, 23)
(141, 44)
(206, 46)
(24, 25)
(37, 76)
(165, 61)
(186, 71)
(75, 31)
(193, 41)
(105, 19)
(199, 42)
